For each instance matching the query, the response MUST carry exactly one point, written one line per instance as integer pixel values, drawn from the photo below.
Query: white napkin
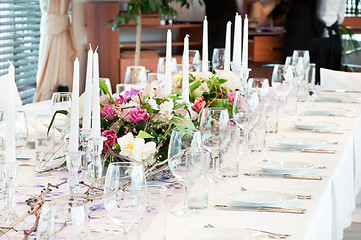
(4, 80)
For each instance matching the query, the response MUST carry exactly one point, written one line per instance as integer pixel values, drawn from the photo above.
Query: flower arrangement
(137, 124)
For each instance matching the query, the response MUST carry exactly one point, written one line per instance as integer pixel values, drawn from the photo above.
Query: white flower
(127, 144)
(153, 104)
(194, 114)
(233, 81)
(204, 87)
(143, 150)
(166, 109)
(148, 91)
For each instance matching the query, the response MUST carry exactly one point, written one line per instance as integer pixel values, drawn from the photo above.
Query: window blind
(19, 42)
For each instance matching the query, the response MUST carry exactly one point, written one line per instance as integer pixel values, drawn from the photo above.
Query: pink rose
(231, 96)
(108, 112)
(138, 115)
(112, 138)
(198, 104)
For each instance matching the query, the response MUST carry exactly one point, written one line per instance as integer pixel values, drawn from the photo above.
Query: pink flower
(231, 96)
(127, 96)
(138, 115)
(112, 138)
(108, 112)
(198, 104)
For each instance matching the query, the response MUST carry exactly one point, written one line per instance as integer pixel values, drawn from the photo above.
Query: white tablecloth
(328, 212)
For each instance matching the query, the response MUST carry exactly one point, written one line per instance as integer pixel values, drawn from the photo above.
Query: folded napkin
(4, 80)
(333, 80)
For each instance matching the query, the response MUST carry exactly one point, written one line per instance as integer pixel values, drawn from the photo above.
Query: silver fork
(271, 234)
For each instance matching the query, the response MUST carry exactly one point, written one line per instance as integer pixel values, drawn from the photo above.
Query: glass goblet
(218, 59)
(246, 112)
(182, 160)
(125, 194)
(216, 133)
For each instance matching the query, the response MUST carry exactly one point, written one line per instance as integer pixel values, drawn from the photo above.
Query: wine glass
(125, 194)
(194, 61)
(281, 81)
(162, 62)
(216, 133)
(136, 75)
(183, 158)
(305, 55)
(246, 112)
(218, 59)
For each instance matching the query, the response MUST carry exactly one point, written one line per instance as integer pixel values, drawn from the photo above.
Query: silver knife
(327, 131)
(305, 150)
(342, 91)
(262, 209)
(340, 115)
(288, 176)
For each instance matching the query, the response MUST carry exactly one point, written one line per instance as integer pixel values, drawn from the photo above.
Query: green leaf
(143, 134)
(182, 123)
(65, 112)
(105, 89)
(175, 98)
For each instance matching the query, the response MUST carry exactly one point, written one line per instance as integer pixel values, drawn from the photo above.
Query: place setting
(316, 126)
(304, 145)
(330, 111)
(335, 97)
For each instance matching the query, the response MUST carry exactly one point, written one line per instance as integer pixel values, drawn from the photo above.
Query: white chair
(332, 80)
(4, 81)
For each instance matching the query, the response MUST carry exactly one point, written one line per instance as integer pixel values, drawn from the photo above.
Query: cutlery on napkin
(305, 150)
(289, 176)
(261, 209)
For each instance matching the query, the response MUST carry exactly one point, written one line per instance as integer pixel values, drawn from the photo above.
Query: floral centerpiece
(137, 124)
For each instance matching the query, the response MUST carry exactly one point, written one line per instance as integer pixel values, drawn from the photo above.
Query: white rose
(166, 109)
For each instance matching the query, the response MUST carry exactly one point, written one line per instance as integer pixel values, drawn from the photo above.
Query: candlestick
(74, 117)
(73, 162)
(168, 65)
(185, 82)
(10, 117)
(88, 91)
(96, 104)
(237, 42)
(205, 46)
(227, 54)
(245, 45)
(96, 148)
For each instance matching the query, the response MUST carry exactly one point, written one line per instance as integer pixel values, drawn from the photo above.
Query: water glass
(272, 113)
(230, 156)
(122, 87)
(218, 59)
(153, 225)
(257, 138)
(61, 101)
(194, 61)
(155, 80)
(198, 186)
(44, 141)
(65, 218)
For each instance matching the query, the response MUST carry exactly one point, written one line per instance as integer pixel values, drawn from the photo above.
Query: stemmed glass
(281, 81)
(218, 59)
(216, 133)
(194, 61)
(61, 101)
(246, 112)
(184, 160)
(136, 76)
(161, 65)
(125, 194)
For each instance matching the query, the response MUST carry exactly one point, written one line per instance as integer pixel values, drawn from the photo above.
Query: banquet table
(327, 213)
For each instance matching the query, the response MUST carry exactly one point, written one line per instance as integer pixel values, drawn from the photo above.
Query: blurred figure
(313, 25)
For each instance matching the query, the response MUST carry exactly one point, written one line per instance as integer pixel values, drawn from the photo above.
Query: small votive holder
(229, 158)
(96, 165)
(198, 186)
(73, 163)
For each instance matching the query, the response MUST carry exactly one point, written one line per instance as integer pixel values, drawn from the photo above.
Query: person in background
(313, 25)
